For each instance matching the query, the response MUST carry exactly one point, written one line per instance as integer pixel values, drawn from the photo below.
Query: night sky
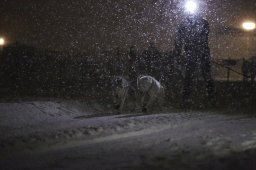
(89, 24)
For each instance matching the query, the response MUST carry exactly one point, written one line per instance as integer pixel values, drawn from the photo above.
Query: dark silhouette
(253, 74)
(152, 61)
(132, 64)
(119, 63)
(192, 38)
(249, 69)
(246, 69)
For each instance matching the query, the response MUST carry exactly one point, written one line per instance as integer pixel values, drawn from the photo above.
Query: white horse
(149, 87)
(120, 91)
(123, 92)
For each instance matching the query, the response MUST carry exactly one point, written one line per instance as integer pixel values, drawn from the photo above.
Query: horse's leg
(160, 102)
(151, 99)
(123, 100)
(142, 103)
(135, 100)
(116, 101)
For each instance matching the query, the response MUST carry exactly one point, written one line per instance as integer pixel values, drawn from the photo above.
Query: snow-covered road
(78, 135)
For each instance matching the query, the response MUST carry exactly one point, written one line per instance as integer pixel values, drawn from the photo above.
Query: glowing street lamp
(249, 26)
(191, 6)
(2, 41)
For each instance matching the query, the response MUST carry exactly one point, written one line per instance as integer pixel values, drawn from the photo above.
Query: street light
(249, 26)
(191, 6)
(2, 41)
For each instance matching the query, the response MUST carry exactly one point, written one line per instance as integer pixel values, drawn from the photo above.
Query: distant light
(191, 7)
(2, 41)
(249, 26)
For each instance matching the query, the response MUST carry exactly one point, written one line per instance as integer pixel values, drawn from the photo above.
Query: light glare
(1, 41)
(249, 26)
(191, 7)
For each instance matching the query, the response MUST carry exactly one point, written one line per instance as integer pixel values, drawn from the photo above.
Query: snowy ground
(57, 134)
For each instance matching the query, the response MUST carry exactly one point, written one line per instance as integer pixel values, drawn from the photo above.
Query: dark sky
(89, 24)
